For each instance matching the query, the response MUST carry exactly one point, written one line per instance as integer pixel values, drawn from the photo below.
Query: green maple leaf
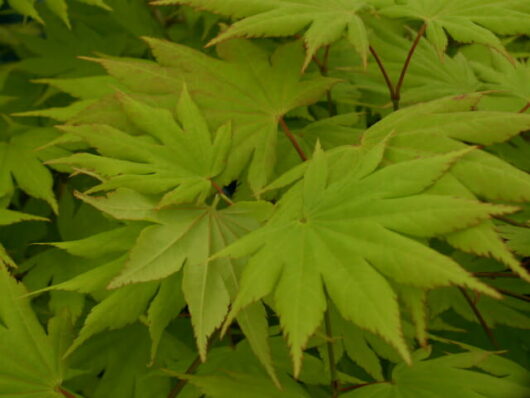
(249, 88)
(467, 21)
(350, 234)
(177, 160)
(29, 362)
(328, 21)
(186, 237)
(511, 79)
(447, 125)
(451, 376)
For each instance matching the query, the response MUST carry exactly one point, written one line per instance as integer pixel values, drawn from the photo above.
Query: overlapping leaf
(467, 21)
(176, 161)
(349, 235)
(327, 21)
(446, 125)
(186, 237)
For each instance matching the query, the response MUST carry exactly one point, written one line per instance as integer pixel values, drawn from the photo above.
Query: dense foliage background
(264, 198)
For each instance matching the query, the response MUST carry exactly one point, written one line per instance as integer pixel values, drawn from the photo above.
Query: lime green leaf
(178, 164)
(271, 18)
(350, 228)
(518, 239)
(29, 365)
(253, 97)
(466, 21)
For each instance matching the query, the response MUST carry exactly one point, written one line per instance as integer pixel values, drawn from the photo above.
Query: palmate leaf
(447, 125)
(29, 363)
(187, 236)
(327, 21)
(452, 376)
(350, 234)
(248, 87)
(178, 161)
(467, 21)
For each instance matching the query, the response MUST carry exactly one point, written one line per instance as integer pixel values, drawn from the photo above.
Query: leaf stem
(67, 394)
(525, 108)
(334, 383)
(191, 369)
(512, 222)
(221, 193)
(495, 275)
(481, 320)
(292, 138)
(514, 295)
(355, 387)
(384, 72)
(397, 91)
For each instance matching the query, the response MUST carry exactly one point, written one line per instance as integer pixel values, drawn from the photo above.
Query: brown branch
(292, 138)
(382, 68)
(182, 382)
(514, 295)
(397, 91)
(221, 193)
(191, 369)
(480, 318)
(525, 108)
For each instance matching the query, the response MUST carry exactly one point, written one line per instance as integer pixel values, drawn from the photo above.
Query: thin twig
(292, 138)
(525, 108)
(382, 68)
(191, 369)
(494, 275)
(512, 222)
(355, 387)
(182, 382)
(481, 320)
(221, 193)
(334, 383)
(514, 295)
(67, 394)
(397, 92)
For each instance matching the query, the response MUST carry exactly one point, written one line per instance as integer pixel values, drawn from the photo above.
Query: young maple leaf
(349, 235)
(327, 20)
(176, 160)
(467, 21)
